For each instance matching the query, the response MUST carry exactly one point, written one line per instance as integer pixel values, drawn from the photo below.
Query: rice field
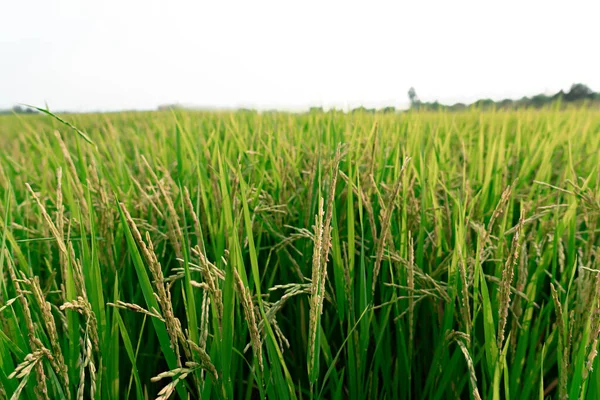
(244, 255)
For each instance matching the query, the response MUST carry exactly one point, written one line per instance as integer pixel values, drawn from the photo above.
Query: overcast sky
(128, 54)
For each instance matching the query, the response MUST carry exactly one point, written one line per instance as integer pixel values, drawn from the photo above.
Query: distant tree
(414, 99)
(457, 107)
(484, 103)
(579, 91)
(559, 95)
(389, 110)
(522, 102)
(506, 103)
(540, 100)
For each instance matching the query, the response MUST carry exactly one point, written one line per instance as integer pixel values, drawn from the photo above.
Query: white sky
(124, 54)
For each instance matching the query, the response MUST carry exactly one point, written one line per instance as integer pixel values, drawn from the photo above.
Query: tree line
(578, 94)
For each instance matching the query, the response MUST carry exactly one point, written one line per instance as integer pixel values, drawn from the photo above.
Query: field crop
(242, 255)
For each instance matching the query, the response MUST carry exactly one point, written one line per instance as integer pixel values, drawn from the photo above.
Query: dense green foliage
(322, 255)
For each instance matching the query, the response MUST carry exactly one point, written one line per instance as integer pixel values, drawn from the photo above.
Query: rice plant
(243, 255)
